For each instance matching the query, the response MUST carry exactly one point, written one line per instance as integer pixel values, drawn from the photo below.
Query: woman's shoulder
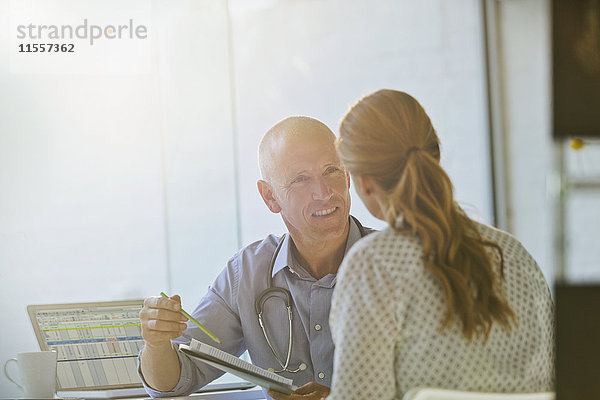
(509, 244)
(517, 259)
(385, 240)
(386, 250)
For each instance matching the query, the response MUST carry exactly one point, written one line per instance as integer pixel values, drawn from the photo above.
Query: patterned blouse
(387, 312)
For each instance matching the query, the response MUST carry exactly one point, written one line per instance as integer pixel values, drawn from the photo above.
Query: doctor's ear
(268, 196)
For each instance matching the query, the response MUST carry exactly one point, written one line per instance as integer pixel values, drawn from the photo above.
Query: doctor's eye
(300, 179)
(332, 169)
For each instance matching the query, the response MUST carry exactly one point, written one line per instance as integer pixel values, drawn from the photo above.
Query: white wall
(196, 120)
(525, 63)
(81, 211)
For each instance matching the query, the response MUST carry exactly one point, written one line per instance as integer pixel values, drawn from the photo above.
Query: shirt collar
(285, 258)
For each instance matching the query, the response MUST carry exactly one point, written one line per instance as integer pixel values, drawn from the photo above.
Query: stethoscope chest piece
(301, 367)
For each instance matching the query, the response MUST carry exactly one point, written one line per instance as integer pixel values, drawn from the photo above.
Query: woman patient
(436, 299)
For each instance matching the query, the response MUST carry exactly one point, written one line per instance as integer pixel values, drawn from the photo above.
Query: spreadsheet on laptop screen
(97, 343)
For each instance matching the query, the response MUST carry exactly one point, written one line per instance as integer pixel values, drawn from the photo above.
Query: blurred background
(130, 168)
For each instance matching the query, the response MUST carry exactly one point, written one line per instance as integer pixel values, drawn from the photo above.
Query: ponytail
(454, 251)
(389, 137)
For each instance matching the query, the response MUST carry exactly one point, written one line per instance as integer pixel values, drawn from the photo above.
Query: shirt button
(321, 375)
(317, 327)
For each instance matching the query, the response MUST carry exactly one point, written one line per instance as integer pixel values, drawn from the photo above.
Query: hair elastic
(410, 150)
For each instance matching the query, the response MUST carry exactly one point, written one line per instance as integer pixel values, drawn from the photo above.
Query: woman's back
(386, 299)
(437, 300)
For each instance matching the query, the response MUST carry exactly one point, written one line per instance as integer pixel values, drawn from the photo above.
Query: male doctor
(304, 181)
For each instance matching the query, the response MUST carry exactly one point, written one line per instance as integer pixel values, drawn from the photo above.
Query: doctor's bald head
(283, 136)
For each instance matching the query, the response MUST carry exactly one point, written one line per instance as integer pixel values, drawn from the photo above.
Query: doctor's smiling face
(304, 181)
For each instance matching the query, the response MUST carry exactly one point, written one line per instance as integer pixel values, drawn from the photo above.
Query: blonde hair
(388, 137)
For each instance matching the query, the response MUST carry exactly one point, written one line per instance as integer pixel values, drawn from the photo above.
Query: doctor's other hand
(310, 391)
(161, 320)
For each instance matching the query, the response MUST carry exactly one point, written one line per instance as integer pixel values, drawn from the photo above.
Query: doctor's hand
(161, 320)
(310, 391)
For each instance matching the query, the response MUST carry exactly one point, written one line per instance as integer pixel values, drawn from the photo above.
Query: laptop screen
(97, 343)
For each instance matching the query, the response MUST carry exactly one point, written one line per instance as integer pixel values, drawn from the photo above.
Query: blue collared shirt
(228, 310)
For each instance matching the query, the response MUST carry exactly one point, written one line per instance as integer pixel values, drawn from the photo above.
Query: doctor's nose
(321, 190)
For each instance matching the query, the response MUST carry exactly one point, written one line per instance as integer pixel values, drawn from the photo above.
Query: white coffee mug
(37, 371)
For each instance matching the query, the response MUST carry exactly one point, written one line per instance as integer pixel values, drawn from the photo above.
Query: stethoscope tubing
(272, 291)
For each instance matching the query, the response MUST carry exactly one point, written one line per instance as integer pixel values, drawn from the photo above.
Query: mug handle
(7, 375)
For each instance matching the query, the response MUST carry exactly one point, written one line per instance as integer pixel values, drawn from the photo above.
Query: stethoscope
(272, 291)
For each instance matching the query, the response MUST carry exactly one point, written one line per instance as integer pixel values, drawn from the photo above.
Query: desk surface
(255, 393)
(248, 394)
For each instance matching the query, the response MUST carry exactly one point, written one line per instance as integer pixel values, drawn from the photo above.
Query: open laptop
(98, 344)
